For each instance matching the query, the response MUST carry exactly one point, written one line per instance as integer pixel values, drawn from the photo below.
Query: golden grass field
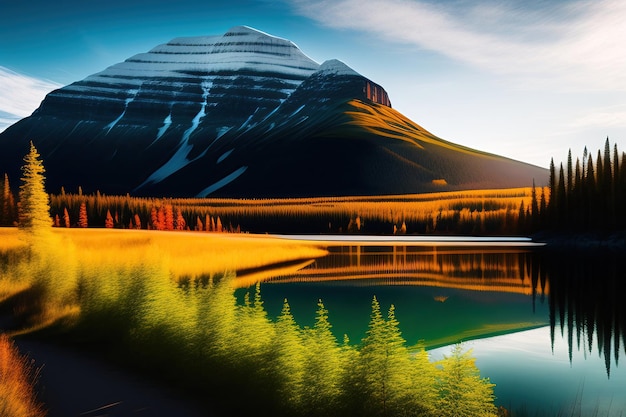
(185, 253)
(391, 207)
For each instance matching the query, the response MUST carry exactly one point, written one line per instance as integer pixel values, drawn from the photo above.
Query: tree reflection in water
(586, 300)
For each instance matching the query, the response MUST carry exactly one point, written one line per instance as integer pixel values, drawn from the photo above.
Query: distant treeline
(488, 212)
(588, 196)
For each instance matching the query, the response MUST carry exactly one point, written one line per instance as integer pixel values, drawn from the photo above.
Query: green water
(547, 328)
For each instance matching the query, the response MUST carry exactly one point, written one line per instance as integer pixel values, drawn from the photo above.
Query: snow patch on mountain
(128, 100)
(166, 125)
(221, 183)
(180, 159)
(222, 131)
(224, 156)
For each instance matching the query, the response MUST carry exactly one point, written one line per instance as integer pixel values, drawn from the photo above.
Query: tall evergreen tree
(570, 174)
(83, 220)
(7, 204)
(169, 217)
(384, 367)
(137, 220)
(551, 213)
(600, 182)
(561, 199)
(608, 172)
(179, 221)
(576, 196)
(66, 218)
(290, 361)
(534, 208)
(34, 215)
(463, 393)
(324, 367)
(108, 222)
(543, 207)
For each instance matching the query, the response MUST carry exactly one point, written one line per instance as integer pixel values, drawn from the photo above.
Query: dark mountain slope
(245, 114)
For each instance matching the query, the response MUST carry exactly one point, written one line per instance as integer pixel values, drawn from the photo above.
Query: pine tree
(323, 366)
(576, 196)
(108, 222)
(137, 221)
(66, 218)
(608, 174)
(7, 204)
(169, 217)
(570, 178)
(34, 215)
(290, 361)
(618, 194)
(463, 393)
(179, 223)
(82, 215)
(561, 199)
(543, 207)
(534, 208)
(154, 218)
(600, 182)
(384, 366)
(551, 214)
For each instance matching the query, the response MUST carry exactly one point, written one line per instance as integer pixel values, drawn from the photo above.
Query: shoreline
(614, 241)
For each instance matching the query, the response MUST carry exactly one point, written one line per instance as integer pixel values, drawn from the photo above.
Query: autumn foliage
(17, 375)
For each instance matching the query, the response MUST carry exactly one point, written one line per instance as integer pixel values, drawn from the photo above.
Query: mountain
(244, 114)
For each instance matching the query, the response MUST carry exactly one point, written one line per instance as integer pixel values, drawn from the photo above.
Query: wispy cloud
(572, 46)
(21, 95)
(611, 116)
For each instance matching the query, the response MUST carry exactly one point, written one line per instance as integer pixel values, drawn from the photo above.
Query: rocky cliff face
(241, 114)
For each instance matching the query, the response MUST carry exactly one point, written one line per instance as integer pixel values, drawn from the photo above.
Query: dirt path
(72, 384)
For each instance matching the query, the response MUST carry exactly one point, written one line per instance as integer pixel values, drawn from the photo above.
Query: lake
(547, 327)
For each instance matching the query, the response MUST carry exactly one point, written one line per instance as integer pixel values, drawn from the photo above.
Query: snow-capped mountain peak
(240, 114)
(337, 67)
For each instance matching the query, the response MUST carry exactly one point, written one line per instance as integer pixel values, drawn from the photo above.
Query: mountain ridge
(243, 114)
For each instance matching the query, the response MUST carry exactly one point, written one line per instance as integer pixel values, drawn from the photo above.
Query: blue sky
(524, 79)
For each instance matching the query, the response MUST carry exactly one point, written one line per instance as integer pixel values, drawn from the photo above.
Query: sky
(526, 79)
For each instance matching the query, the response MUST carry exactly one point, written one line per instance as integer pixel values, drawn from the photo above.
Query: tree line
(587, 195)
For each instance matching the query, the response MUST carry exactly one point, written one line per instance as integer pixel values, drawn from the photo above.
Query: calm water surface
(546, 327)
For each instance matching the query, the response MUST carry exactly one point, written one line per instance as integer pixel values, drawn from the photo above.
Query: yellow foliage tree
(34, 210)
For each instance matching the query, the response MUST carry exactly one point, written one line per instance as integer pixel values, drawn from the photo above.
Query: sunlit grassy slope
(357, 147)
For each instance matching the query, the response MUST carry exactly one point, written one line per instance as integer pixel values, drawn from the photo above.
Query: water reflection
(501, 269)
(492, 296)
(586, 301)
(583, 290)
